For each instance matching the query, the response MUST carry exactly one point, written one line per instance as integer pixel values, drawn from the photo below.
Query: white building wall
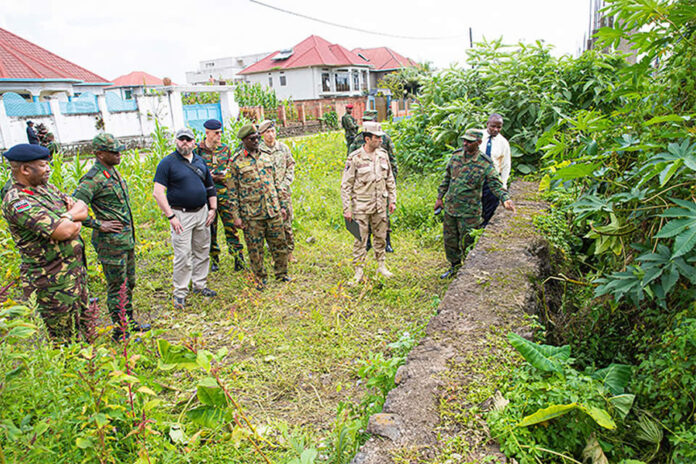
(304, 83)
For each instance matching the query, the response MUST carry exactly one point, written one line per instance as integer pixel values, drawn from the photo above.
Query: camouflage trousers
(287, 226)
(234, 246)
(119, 268)
(272, 231)
(62, 300)
(455, 231)
(377, 223)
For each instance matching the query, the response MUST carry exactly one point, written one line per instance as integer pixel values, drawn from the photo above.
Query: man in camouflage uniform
(368, 191)
(350, 125)
(256, 206)
(388, 146)
(45, 225)
(461, 188)
(113, 234)
(284, 165)
(216, 156)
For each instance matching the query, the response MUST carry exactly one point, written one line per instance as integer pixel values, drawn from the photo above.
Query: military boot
(389, 248)
(214, 264)
(359, 275)
(239, 262)
(369, 243)
(382, 269)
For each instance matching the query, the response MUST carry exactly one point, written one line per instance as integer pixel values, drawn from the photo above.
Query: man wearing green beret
(256, 205)
(45, 226)
(113, 231)
(460, 196)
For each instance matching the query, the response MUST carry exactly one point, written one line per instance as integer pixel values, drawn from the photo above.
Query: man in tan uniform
(285, 172)
(367, 192)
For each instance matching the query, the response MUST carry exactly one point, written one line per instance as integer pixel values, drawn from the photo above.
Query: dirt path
(435, 412)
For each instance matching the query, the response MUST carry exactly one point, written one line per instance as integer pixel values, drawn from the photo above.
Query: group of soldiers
(475, 182)
(249, 189)
(41, 136)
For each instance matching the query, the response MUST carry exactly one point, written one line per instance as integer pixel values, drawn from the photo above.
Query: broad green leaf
(101, 420)
(173, 356)
(599, 415)
(547, 358)
(546, 414)
(21, 332)
(207, 416)
(84, 443)
(203, 358)
(176, 433)
(622, 404)
(210, 393)
(665, 118)
(575, 171)
(615, 377)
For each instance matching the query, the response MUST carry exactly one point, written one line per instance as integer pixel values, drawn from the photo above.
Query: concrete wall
(70, 129)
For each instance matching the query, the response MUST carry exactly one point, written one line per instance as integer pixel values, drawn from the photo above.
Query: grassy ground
(294, 350)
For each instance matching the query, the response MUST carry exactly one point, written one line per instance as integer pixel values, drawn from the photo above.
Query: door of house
(381, 107)
(196, 115)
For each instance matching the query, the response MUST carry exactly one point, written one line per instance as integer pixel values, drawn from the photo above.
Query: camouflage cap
(107, 142)
(246, 130)
(472, 135)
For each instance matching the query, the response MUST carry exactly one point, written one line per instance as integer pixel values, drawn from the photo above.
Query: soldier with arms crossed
(45, 225)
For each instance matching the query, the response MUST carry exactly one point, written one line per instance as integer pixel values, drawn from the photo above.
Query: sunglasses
(185, 139)
(255, 137)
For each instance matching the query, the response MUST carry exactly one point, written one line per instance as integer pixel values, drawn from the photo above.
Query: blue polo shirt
(185, 188)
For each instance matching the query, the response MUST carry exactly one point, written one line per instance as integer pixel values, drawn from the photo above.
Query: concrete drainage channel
(491, 295)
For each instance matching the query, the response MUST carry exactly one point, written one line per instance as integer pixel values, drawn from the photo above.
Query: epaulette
(91, 173)
(485, 156)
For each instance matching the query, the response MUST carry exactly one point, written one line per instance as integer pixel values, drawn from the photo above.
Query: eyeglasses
(185, 138)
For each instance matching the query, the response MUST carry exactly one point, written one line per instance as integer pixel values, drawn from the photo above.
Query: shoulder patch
(21, 205)
(92, 172)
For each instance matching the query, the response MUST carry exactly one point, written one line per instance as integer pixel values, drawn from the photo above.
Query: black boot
(214, 264)
(389, 248)
(369, 243)
(239, 262)
(451, 272)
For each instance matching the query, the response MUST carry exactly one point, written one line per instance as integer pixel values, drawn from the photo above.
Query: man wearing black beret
(217, 156)
(45, 225)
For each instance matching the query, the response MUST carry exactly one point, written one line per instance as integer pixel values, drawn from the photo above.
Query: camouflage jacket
(367, 185)
(387, 145)
(464, 178)
(33, 214)
(350, 126)
(283, 162)
(253, 186)
(216, 161)
(106, 192)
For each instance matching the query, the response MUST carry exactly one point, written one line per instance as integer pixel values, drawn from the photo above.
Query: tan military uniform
(367, 188)
(284, 165)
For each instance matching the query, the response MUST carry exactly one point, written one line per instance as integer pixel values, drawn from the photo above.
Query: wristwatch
(68, 216)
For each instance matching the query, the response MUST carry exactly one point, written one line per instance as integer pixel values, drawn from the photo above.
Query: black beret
(25, 152)
(212, 124)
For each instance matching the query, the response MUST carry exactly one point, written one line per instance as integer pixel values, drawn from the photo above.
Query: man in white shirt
(497, 148)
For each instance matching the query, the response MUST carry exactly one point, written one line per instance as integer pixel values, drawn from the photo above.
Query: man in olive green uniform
(113, 234)
(284, 165)
(368, 191)
(256, 206)
(350, 125)
(461, 188)
(45, 225)
(216, 156)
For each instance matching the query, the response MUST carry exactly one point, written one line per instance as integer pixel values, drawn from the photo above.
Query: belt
(187, 210)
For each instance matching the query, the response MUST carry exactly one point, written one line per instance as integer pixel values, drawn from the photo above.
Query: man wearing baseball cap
(460, 196)
(113, 235)
(185, 192)
(217, 156)
(45, 226)
(368, 192)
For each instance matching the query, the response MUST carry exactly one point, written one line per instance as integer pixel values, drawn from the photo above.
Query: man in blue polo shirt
(183, 188)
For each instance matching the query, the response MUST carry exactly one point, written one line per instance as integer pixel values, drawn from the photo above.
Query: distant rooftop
(384, 58)
(136, 79)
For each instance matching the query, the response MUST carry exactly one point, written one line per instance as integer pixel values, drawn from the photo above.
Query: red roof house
(314, 68)
(137, 79)
(30, 69)
(384, 58)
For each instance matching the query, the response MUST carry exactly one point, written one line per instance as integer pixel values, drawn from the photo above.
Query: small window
(283, 82)
(342, 82)
(128, 94)
(325, 82)
(270, 81)
(356, 80)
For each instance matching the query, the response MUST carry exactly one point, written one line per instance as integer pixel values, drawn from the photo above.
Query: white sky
(168, 38)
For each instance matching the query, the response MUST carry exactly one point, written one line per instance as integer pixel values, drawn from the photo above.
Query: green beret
(246, 130)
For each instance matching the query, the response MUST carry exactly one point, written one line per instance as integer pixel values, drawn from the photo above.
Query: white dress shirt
(500, 154)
